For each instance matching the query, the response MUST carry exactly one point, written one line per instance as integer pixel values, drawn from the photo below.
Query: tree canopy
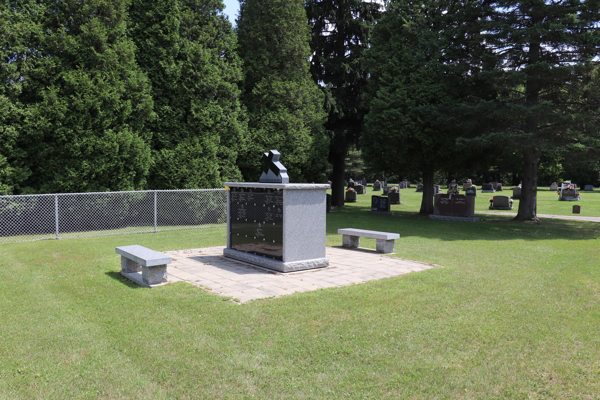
(285, 106)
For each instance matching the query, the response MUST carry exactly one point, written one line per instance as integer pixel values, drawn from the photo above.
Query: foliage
(418, 69)
(285, 106)
(85, 101)
(341, 31)
(544, 78)
(187, 49)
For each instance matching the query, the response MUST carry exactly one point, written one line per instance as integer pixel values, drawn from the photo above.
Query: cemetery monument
(276, 224)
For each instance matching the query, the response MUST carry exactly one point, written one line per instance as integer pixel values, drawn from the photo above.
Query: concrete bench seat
(385, 241)
(152, 264)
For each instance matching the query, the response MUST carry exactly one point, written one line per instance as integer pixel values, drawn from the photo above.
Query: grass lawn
(514, 314)
(547, 201)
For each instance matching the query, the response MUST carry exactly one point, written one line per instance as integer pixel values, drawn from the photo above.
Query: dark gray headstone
(471, 191)
(273, 171)
(588, 188)
(380, 204)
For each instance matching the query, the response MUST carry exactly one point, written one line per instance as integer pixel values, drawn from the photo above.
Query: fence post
(56, 215)
(155, 216)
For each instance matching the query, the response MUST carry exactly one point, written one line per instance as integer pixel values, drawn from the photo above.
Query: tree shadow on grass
(118, 277)
(491, 228)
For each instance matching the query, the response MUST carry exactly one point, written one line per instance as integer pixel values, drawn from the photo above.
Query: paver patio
(206, 267)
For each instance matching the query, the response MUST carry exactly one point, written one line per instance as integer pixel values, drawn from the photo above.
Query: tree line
(165, 94)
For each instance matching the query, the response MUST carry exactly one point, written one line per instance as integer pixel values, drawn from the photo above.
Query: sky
(231, 9)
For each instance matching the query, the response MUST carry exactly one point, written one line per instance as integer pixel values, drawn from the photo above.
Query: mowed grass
(547, 201)
(512, 313)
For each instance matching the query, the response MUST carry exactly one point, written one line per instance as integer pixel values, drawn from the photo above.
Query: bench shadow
(118, 277)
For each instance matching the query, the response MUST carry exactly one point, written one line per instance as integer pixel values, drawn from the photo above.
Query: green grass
(513, 314)
(547, 202)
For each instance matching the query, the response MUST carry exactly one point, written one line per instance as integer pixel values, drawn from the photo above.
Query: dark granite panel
(256, 221)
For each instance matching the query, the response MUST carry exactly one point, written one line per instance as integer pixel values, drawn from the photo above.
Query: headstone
(267, 225)
(360, 189)
(350, 196)
(377, 186)
(351, 183)
(553, 187)
(454, 205)
(273, 171)
(467, 184)
(516, 193)
(471, 191)
(420, 187)
(364, 182)
(386, 190)
(576, 209)
(384, 183)
(588, 188)
(436, 189)
(488, 188)
(501, 203)
(380, 204)
(569, 193)
(498, 187)
(394, 197)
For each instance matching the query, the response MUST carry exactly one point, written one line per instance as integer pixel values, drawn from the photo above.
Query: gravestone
(267, 224)
(471, 191)
(380, 204)
(360, 189)
(467, 185)
(553, 187)
(350, 196)
(576, 209)
(454, 207)
(498, 187)
(420, 187)
(569, 193)
(436, 189)
(377, 186)
(364, 182)
(501, 203)
(453, 187)
(488, 188)
(588, 188)
(394, 197)
(516, 193)
(386, 190)
(351, 183)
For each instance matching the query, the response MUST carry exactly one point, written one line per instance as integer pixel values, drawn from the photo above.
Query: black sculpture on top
(273, 171)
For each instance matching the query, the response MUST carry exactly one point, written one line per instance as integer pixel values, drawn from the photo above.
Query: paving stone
(207, 268)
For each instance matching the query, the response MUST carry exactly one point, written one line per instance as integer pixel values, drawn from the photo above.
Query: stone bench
(385, 241)
(152, 264)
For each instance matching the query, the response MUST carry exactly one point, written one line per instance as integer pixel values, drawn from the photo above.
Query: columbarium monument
(276, 224)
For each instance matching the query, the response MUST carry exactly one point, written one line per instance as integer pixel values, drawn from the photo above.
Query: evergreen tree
(19, 27)
(545, 77)
(82, 102)
(341, 31)
(285, 106)
(424, 63)
(187, 49)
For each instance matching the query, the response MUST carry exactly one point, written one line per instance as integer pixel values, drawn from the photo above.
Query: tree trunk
(528, 202)
(338, 159)
(427, 201)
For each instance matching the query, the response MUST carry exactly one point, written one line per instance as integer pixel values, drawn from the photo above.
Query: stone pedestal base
(155, 274)
(129, 266)
(351, 242)
(276, 264)
(385, 246)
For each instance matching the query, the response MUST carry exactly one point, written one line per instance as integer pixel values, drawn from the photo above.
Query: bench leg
(128, 265)
(155, 274)
(385, 246)
(351, 242)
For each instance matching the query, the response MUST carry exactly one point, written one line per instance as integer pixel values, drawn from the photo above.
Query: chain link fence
(77, 215)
